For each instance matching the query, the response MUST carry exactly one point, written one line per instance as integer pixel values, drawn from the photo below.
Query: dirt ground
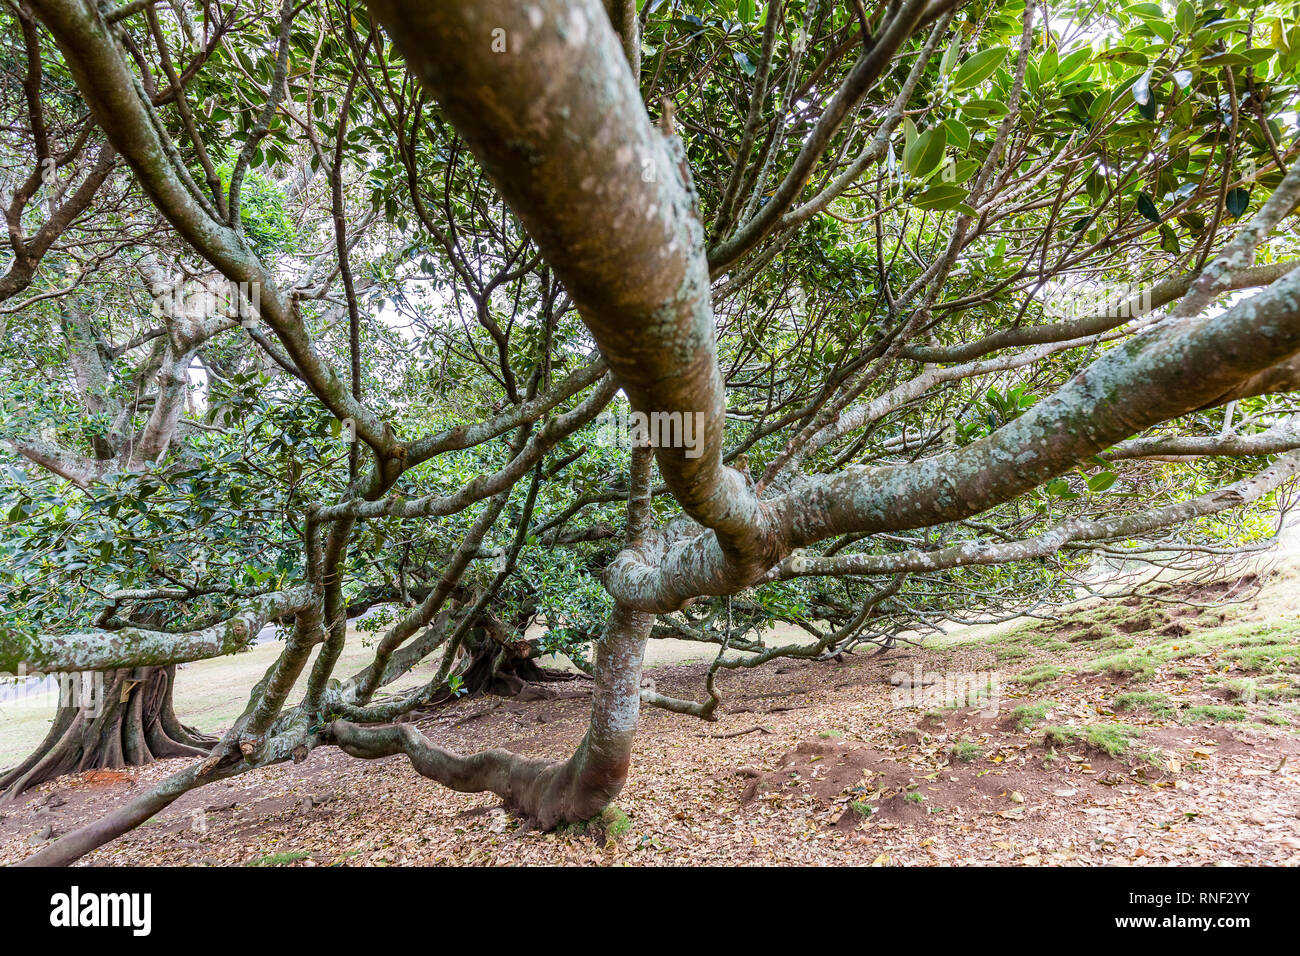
(1156, 731)
(211, 694)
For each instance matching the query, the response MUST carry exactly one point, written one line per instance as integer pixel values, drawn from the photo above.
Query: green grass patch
(1027, 715)
(1041, 674)
(1118, 642)
(615, 822)
(1257, 647)
(1214, 713)
(1113, 739)
(1247, 689)
(964, 751)
(1270, 656)
(611, 823)
(1136, 664)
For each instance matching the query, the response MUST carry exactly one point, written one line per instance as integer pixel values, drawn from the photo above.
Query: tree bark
(500, 661)
(545, 792)
(132, 724)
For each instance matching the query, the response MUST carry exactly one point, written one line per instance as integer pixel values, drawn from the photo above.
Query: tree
(914, 303)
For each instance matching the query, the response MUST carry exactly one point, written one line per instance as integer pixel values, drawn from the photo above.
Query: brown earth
(809, 763)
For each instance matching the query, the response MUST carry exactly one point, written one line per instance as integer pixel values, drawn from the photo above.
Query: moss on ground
(610, 824)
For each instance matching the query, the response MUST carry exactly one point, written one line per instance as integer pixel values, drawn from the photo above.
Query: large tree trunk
(542, 791)
(133, 724)
(500, 661)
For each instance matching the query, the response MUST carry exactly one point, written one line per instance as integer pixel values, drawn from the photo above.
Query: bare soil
(808, 763)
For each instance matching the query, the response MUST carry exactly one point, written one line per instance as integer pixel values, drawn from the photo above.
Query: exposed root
(133, 725)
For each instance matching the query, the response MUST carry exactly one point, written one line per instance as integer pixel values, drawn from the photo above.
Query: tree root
(133, 725)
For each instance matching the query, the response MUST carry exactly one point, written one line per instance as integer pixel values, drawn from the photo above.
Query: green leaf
(1237, 201)
(941, 196)
(950, 56)
(1146, 10)
(978, 68)
(1060, 488)
(1146, 102)
(1142, 89)
(925, 153)
(980, 107)
(1073, 63)
(1225, 59)
(1161, 29)
(958, 134)
(1147, 208)
(1101, 481)
(1169, 240)
(1047, 66)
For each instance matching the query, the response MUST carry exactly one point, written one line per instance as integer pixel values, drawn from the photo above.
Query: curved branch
(140, 647)
(972, 553)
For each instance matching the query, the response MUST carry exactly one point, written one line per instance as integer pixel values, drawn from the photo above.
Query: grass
(1267, 656)
(862, 809)
(1027, 715)
(1103, 624)
(1247, 689)
(1137, 664)
(964, 751)
(1041, 674)
(914, 797)
(1257, 647)
(1113, 739)
(1214, 713)
(1159, 704)
(1155, 758)
(1118, 642)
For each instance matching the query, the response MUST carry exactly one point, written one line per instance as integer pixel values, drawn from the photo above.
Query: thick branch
(140, 647)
